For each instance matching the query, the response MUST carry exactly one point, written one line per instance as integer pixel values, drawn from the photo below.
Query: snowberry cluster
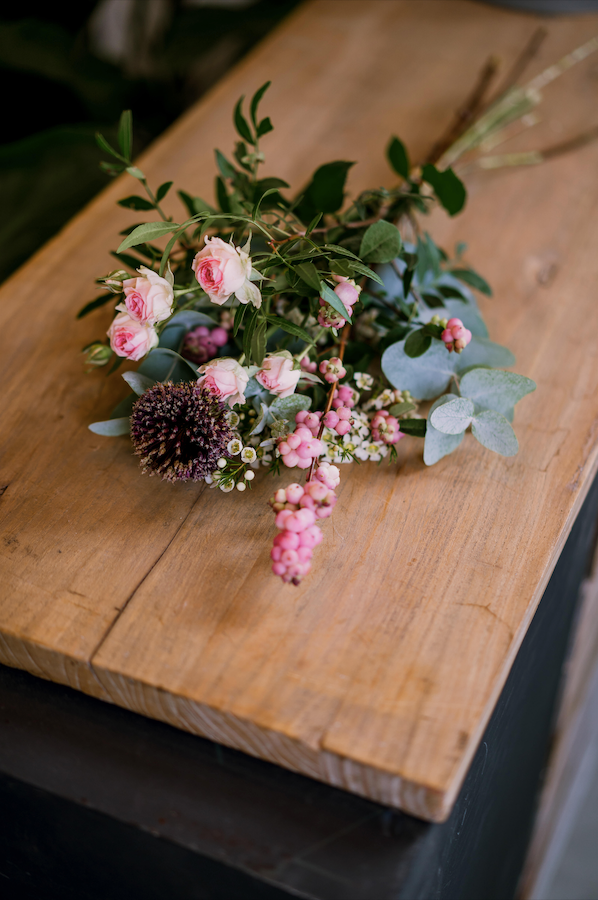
(455, 336)
(348, 293)
(301, 447)
(308, 366)
(332, 370)
(385, 428)
(203, 343)
(297, 510)
(345, 396)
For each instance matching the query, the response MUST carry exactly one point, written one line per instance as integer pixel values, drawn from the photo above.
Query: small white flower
(363, 381)
(241, 486)
(208, 479)
(221, 462)
(249, 476)
(248, 455)
(233, 418)
(226, 486)
(234, 447)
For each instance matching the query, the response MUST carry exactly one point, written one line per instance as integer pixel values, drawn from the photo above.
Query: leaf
(139, 383)
(399, 409)
(95, 304)
(449, 189)
(426, 376)
(135, 202)
(239, 316)
(105, 146)
(334, 301)
(125, 133)
(454, 416)
(413, 427)
(162, 364)
(227, 170)
(417, 343)
(495, 389)
(190, 318)
(194, 205)
(125, 407)
(111, 427)
(254, 388)
(163, 190)
(309, 274)
(222, 195)
(167, 250)
(147, 232)
(255, 102)
(381, 243)
(241, 122)
(325, 192)
(248, 331)
(172, 337)
(290, 327)
(257, 205)
(494, 432)
(468, 314)
(265, 127)
(482, 352)
(258, 342)
(288, 407)
(313, 224)
(472, 278)
(398, 158)
(437, 444)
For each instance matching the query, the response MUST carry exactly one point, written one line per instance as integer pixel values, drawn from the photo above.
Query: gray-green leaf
(288, 407)
(454, 416)
(482, 352)
(495, 389)
(425, 377)
(139, 383)
(494, 432)
(438, 444)
(111, 427)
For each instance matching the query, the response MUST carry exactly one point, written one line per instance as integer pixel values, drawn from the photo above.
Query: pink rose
(131, 338)
(150, 298)
(278, 376)
(226, 378)
(223, 270)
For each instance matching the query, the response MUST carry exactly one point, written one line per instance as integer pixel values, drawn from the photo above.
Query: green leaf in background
(147, 232)
(289, 327)
(398, 157)
(226, 169)
(468, 314)
(495, 389)
(449, 189)
(399, 409)
(191, 318)
(288, 407)
(454, 416)
(95, 304)
(111, 427)
(494, 432)
(241, 123)
(482, 352)
(105, 146)
(163, 190)
(136, 173)
(309, 274)
(264, 127)
(381, 243)
(334, 301)
(437, 443)
(472, 278)
(417, 343)
(222, 195)
(125, 133)
(162, 364)
(426, 376)
(194, 205)
(135, 202)
(255, 102)
(138, 383)
(257, 205)
(258, 342)
(326, 191)
(413, 427)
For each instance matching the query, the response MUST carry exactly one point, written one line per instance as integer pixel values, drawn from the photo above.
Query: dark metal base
(98, 803)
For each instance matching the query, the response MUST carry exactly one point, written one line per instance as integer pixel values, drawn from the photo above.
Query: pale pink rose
(131, 338)
(150, 298)
(226, 378)
(223, 270)
(278, 376)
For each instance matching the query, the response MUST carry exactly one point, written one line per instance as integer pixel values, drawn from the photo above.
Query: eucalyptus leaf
(139, 383)
(454, 416)
(496, 389)
(437, 444)
(264, 417)
(112, 427)
(288, 407)
(469, 315)
(426, 376)
(190, 318)
(125, 407)
(493, 431)
(399, 409)
(381, 243)
(162, 364)
(482, 352)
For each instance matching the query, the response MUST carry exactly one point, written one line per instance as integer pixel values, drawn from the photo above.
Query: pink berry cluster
(385, 428)
(297, 510)
(302, 446)
(308, 366)
(339, 420)
(203, 343)
(345, 396)
(348, 293)
(455, 336)
(332, 369)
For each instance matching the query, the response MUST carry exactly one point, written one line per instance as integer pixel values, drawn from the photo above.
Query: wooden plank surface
(379, 673)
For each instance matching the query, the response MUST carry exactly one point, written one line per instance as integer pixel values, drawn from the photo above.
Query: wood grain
(379, 673)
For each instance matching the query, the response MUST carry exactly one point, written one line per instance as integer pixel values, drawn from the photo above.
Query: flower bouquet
(278, 330)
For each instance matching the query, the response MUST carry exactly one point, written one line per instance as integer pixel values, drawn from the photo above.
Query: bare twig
(521, 63)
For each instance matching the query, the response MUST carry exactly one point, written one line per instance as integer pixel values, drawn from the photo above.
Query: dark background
(68, 71)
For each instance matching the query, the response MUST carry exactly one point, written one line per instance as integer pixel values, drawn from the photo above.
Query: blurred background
(70, 70)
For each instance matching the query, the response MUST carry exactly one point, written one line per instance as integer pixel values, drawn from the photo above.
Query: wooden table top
(379, 673)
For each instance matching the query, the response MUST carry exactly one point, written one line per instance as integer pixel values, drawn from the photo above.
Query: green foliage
(326, 191)
(147, 232)
(449, 189)
(111, 427)
(454, 416)
(437, 444)
(381, 243)
(398, 157)
(334, 301)
(495, 432)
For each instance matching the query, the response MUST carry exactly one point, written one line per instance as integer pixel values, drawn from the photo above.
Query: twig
(521, 63)
(330, 398)
(534, 157)
(467, 112)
